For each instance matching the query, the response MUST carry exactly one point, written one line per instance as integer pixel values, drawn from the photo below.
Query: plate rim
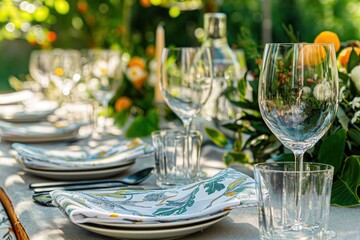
(69, 175)
(146, 226)
(136, 233)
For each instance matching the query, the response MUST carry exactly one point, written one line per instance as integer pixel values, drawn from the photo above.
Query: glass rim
(260, 167)
(302, 43)
(179, 133)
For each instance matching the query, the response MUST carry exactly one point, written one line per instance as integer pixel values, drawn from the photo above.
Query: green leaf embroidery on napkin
(213, 186)
(179, 206)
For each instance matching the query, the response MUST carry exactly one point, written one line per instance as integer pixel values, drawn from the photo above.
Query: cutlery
(132, 179)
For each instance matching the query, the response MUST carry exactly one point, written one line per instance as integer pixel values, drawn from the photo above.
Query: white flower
(322, 91)
(356, 116)
(342, 90)
(306, 90)
(134, 73)
(355, 103)
(355, 77)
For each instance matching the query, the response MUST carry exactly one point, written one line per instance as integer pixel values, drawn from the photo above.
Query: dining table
(47, 223)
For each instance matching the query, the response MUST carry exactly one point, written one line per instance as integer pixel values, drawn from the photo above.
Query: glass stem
(105, 108)
(187, 161)
(299, 156)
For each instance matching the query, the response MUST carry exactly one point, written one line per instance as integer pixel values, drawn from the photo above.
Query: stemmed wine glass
(103, 74)
(40, 67)
(186, 81)
(298, 96)
(66, 70)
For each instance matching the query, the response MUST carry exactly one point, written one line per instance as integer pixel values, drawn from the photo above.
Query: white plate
(40, 132)
(31, 112)
(159, 225)
(15, 97)
(171, 233)
(29, 139)
(77, 175)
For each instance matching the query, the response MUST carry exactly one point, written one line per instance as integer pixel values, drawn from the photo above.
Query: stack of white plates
(40, 131)
(33, 111)
(158, 214)
(67, 164)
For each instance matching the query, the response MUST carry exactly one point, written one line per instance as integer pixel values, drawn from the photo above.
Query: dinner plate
(15, 97)
(169, 233)
(162, 225)
(77, 175)
(31, 112)
(40, 132)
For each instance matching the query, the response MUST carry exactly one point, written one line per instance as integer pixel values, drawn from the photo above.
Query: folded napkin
(9, 224)
(100, 157)
(15, 97)
(226, 190)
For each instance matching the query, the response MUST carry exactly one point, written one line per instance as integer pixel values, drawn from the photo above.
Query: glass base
(303, 234)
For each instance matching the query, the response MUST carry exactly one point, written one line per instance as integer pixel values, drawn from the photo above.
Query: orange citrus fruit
(344, 55)
(328, 37)
(312, 55)
(122, 103)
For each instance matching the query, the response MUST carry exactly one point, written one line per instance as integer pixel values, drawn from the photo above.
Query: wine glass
(66, 70)
(103, 74)
(298, 96)
(40, 67)
(186, 81)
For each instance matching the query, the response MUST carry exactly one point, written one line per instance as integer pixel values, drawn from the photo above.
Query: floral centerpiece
(135, 98)
(340, 146)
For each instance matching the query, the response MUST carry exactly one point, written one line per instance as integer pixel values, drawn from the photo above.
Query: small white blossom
(306, 90)
(342, 90)
(355, 77)
(355, 103)
(322, 91)
(135, 73)
(356, 116)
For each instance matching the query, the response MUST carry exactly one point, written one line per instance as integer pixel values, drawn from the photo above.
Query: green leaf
(285, 157)
(121, 117)
(143, 126)
(354, 135)
(213, 186)
(261, 127)
(242, 87)
(216, 136)
(343, 118)
(345, 189)
(238, 143)
(244, 104)
(343, 76)
(239, 157)
(332, 149)
(353, 60)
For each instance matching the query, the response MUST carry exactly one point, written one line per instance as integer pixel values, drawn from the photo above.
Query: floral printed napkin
(120, 154)
(226, 190)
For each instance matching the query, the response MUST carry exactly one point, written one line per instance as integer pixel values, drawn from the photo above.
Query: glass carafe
(226, 70)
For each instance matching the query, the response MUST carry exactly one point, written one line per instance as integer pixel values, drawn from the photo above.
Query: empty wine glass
(186, 81)
(66, 70)
(103, 75)
(40, 67)
(298, 97)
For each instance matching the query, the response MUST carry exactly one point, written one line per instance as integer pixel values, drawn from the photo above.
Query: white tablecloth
(49, 223)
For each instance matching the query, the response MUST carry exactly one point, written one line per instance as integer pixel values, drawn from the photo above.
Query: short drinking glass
(276, 188)
(172, 165)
